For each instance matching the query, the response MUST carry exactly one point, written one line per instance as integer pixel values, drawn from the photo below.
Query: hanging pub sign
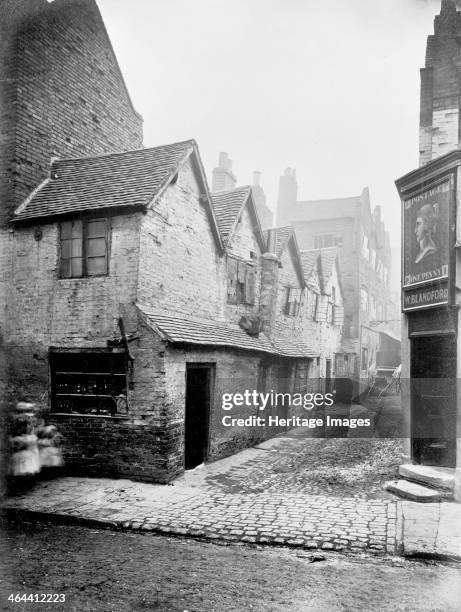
(426, 246)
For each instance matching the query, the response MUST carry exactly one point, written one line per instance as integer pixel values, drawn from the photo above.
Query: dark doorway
(433, 400)
(198, 393)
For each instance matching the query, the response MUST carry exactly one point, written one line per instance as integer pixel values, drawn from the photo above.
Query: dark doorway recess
(199, 380)
(433, 400)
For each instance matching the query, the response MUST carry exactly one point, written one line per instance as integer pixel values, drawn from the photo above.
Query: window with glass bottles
(89, 382)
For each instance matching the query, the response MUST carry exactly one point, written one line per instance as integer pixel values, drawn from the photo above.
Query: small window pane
(96, 247)
(76, 247)
(76, 229)
(65, 268)
(66, 249)
(76, 266)
(97, 227)
(96, 265)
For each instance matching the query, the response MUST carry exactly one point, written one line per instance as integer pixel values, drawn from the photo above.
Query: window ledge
(113, 417)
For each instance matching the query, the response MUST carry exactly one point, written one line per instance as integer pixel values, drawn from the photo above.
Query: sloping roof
(228, 206)
(328, 257)
(285, 236)
(295, 349)
(183, 329)
(282, 237)
(309, 260)
(130, 178)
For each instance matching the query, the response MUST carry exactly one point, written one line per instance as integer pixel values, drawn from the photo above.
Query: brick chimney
(265, 214)
(288, 194)
(223, 177)
(440, 126)
(269, 284)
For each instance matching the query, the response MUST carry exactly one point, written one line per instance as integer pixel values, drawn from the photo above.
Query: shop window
(84, 250)
(240, 282)
(89, 382)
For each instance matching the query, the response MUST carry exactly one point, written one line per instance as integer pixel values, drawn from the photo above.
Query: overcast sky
(329, 87)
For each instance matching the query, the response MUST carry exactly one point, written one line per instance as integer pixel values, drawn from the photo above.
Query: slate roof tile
(309, 261)
(227, 206)
(130, 178)
(282, 236)
(183, 329)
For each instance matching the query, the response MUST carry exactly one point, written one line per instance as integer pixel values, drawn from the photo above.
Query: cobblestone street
(288, 491)
(261, 495)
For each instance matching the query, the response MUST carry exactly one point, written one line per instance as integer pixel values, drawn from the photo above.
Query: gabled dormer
(243, 243)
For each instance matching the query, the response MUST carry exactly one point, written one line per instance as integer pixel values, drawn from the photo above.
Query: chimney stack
(266, 216)
(288, 194)
(223, 177)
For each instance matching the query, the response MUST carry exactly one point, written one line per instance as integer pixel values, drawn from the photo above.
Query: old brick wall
(45, 310)
(235, 372)
(61, 94)
(144, 445)
(180, 267)
(70, 97)
(440, 126)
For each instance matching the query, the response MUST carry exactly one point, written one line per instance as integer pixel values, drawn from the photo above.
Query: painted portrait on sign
(426, 219)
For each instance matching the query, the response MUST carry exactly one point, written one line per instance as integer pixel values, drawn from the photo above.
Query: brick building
(324, 318)
(61, 95)
(364, 253)
(133, 298)
(431, 265)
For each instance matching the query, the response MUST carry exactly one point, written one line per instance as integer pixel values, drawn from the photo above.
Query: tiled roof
(327, 261)
(131, 178)
(282, 236)
(182, 329)
(309, 261)
(295, 349)
(227, 206)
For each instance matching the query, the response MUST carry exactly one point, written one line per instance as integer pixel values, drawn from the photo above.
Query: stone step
(412, 491)
(429, 475)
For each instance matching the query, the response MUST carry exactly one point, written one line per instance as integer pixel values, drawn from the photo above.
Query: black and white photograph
(230, 277)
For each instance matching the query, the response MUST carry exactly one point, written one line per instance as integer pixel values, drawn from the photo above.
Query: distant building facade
(362, 243)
